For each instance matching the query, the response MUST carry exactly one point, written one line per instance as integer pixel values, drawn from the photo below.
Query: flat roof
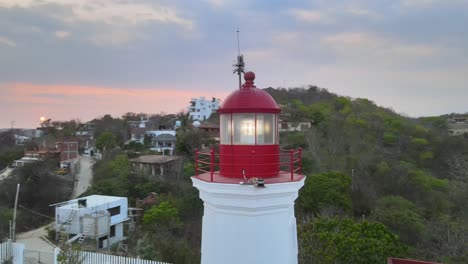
(91, 201)
(154, 159)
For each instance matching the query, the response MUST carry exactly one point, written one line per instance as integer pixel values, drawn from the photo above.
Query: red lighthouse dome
(249, 146)
(249, 99)
(249, 133)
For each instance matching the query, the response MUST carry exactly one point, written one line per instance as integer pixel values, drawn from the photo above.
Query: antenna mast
(239, 66)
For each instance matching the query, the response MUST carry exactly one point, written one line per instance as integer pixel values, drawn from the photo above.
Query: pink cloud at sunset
(26, 102)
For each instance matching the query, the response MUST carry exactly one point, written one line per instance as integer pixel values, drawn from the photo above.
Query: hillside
(405, 173)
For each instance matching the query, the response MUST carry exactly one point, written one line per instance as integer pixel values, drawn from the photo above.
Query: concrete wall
(245, 224)
(118, 234)
(62, 214)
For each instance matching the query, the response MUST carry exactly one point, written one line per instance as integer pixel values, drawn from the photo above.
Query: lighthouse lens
(225, 129)
(244, 129)
(265, 129)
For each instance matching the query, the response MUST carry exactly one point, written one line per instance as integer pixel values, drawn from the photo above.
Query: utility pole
(13, 231)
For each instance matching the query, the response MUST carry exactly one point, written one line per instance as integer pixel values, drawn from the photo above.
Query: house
(201, 109)
(87, 129)
(458, 125)
(21, 140)
(138, 130)
(156, 165)
(35, 155)
(289, 126)
(212, 130)
(97, 217)
(458, 119)
(68, 148)
(458, 129)
(87, 144)
(162, 141)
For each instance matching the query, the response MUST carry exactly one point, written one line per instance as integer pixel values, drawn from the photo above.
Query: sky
(69, 59)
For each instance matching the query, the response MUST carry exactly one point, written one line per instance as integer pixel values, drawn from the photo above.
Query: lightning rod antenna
(238, 43)
(239, 66)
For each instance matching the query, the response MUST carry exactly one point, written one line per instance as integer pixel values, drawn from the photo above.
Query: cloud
(370, 48)
(114, 22)
(362, 12)
(216, 3)
(7, 42)
(419, 3)
(430, 3)
(308, 15)
(111, 12)
(60, 34)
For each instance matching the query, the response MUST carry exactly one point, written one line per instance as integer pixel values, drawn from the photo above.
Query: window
(244, 129)
(114, 210)
(266, 129)
(101, 242)
(112, 231)
(225, 129)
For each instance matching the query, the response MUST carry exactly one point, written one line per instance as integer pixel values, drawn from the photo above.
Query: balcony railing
(290, 163)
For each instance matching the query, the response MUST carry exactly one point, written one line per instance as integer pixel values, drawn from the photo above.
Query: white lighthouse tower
(249, 186)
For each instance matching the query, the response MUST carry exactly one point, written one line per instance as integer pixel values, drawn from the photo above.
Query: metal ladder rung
(86, 229)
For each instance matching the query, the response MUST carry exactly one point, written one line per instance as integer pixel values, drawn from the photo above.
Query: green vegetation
(106, 141)
(35, 194)
(8, 150)
(171, 229)
(379, 185)
(336, 241)
(369, 162)
(326, 191)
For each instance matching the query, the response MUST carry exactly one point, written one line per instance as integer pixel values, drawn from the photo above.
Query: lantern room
(249, 133)
(249, 140)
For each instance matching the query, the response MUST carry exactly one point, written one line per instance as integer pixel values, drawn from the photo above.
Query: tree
(36, 193)
(106, 141)
(111, 175)
(135, 146)
(189, 140)
(401, 216)
(324, 191)
(163, 214)
(6, 215)
(70, 254)
(447, 240)
(8, 150)
(116, 126)
(345, 241)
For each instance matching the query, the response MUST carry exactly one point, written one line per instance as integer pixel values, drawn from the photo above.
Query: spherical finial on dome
(249, 76)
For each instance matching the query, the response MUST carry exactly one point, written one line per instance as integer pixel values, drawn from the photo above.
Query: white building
(21, 140)
(96, 217)
(201, 109)
(162, 140)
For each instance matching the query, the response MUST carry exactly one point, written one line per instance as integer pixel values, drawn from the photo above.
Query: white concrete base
(248, 225)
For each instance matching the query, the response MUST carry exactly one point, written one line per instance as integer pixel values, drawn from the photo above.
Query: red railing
(290, 162)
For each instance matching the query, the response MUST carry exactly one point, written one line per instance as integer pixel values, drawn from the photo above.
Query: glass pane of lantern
(266, 129)
(225, 129)
(244, 128)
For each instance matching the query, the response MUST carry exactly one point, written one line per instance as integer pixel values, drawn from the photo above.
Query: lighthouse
(248, 185)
